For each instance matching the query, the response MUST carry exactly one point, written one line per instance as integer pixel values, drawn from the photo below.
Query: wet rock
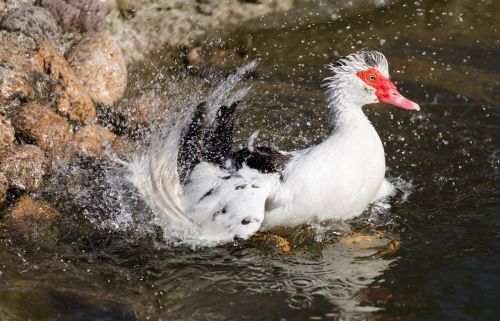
(130, 5)
(14, 85)
(85, 15)
(51, 132)
(4, 187)
(36, 22)
(91, 140)
(6, 133)
(17, 70)
(217, 57)
(100, 66)
(142, 111)
(24, 167)
(28, 209)
(194, 56)
(72, 99)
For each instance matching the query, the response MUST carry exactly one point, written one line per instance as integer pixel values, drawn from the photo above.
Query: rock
(24, 166)
(4, 187)
(130, 5)
(142, 26)
(14, 85)
(91, 140)
(72, 99)
(217, 57)
(141, 111)
(36, 22)
(28, 209)
(17, 73)
(99, 64)
(124, 148)
(6, 133)
(51, 132)
(86, 15)
(194, 56)
(18, 57)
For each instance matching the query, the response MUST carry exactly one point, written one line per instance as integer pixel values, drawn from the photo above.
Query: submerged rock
(100, 66)
(217, 57)
(85, 15)
(72, 99)
(142, 111)
(91, 140)
(6, 133)
(24, 167)
(50, 131)
(33, 21)
(4, 187)
(28, 209)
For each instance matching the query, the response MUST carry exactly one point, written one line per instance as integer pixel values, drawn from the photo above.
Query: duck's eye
(372, 77)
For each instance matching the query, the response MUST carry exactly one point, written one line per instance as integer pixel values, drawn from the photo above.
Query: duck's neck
(345, 115)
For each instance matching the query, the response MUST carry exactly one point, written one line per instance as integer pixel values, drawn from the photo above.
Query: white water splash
(154, 172)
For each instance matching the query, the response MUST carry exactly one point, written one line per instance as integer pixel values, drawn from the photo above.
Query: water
(105, 260)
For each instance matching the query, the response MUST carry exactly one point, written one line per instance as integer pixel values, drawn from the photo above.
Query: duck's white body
(334, 180)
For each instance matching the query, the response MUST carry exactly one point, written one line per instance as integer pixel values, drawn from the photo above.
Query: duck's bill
(396, 99)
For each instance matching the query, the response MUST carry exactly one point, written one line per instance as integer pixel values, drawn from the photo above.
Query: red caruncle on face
(385, 90)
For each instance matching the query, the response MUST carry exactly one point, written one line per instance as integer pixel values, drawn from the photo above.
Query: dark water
(444, 55)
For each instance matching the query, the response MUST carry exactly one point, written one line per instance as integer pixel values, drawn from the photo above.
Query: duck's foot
(278, 241)
(383, 243)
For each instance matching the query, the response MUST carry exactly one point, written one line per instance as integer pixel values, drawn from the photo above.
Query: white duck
(206, 192)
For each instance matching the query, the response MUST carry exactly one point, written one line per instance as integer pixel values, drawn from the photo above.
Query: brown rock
(14, 84)
(33, 21)
(85, 15)
(28, 209)
(4, 187)
(6, 133)
(124, 148)
(91, 140)
(17, 70)
(142, 110)
(16, 57)
(208, 57)
(51, 132)
(100, 66)
(72, 98)
(193, 57)
(24, 166)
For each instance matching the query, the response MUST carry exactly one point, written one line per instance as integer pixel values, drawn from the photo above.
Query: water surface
(106, 261)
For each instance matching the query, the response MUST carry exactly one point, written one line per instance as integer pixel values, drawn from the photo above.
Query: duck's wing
(228, 206)
(263, 159)
(206, 140)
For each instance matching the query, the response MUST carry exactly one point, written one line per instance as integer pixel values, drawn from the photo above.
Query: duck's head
(363, 78)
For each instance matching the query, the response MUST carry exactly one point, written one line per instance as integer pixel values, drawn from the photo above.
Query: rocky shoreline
(63, 63)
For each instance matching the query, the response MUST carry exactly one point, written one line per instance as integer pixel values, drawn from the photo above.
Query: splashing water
(154, 172)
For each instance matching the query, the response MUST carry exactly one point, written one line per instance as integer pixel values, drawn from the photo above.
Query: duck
(206, 191)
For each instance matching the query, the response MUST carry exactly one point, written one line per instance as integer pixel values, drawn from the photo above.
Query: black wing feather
(213, 143)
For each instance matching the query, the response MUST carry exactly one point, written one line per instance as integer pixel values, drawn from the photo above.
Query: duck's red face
(385, 90)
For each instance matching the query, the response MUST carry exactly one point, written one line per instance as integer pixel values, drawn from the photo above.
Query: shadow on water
(105, 260)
